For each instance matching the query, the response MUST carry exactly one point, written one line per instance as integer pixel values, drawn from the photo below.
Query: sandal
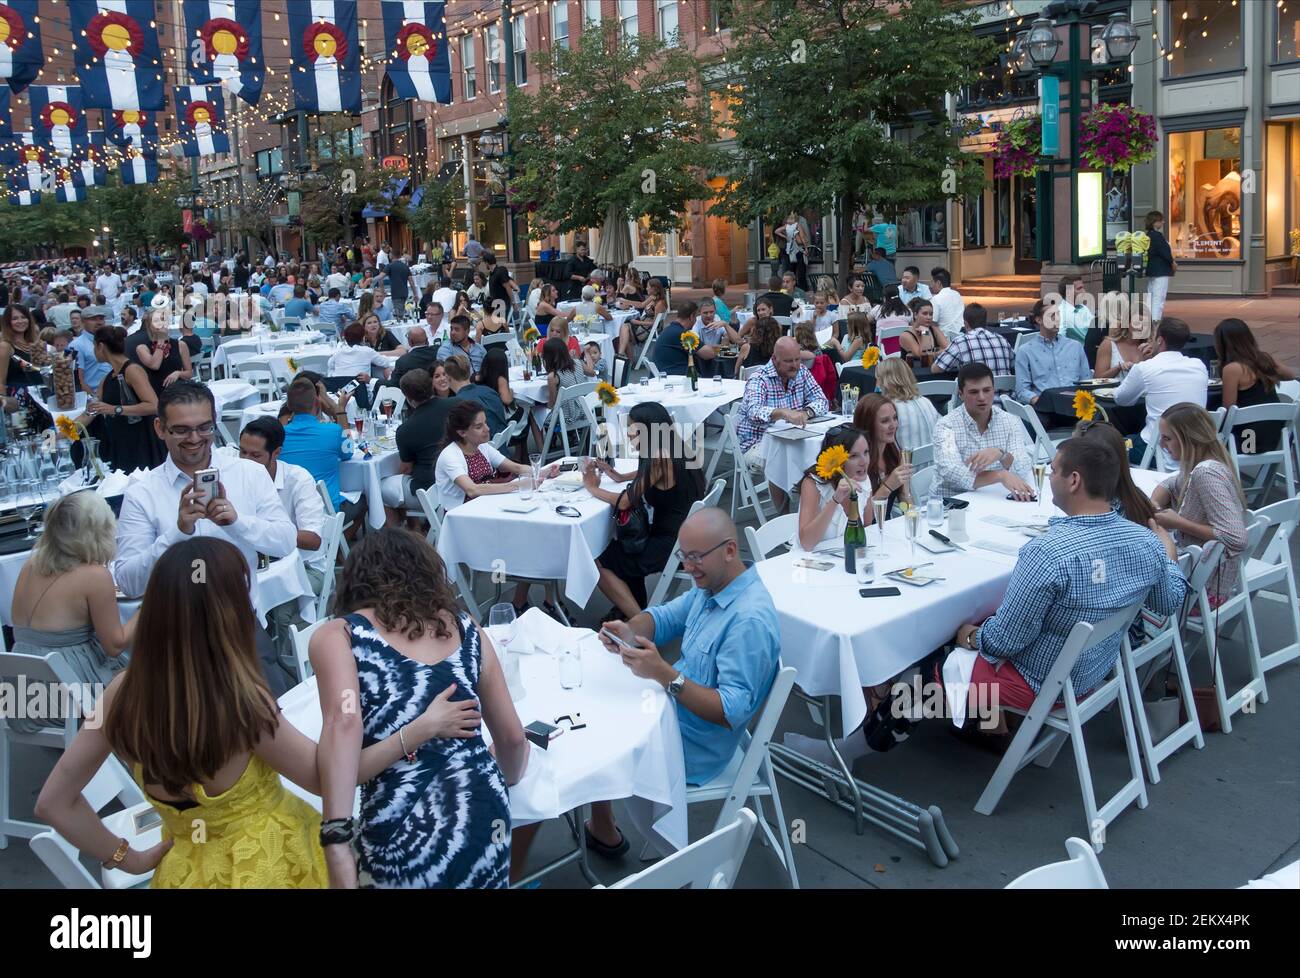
(600, 849)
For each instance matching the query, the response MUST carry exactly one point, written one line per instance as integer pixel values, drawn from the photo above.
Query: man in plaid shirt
(783, 390)
(979, 444)
(976, 345)
(1090, 563)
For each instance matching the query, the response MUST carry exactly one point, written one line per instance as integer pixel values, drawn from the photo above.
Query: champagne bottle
(855, 534)
(692, 371)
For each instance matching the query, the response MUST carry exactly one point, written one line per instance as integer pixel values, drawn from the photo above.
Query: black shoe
(609, 852)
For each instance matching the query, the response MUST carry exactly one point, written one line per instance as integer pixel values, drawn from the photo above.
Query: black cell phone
(952, 503)
(569, 466)
(1012, 497)
(879, 592)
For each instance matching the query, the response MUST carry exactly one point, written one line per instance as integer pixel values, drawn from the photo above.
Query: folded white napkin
(957, 671)
(538, 632)
(114, 484)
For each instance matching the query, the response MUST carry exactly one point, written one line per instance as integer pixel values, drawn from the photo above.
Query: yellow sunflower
(293, 364)
(607, 393)
(1085, 405)
(690, 341)
(531, 335)
(870, 357)
(831, 462)
(67, 428)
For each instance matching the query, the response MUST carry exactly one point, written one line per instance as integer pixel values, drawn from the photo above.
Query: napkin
(538, 632)
(957, 670)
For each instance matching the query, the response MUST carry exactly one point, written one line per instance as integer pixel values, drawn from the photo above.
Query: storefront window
(1204, 35)
(1287, 43)
(973, 214)
(1119, 205)
(684, 235)
(1002, 211)
(1204, 217)
(1282, 187)
(925, 226)
(649, 243)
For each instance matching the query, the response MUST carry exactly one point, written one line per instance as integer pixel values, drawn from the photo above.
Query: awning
(417, 196)
(396, 187)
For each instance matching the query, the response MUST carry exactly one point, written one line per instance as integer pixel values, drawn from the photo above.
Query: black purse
(632, 527)
(127, 397)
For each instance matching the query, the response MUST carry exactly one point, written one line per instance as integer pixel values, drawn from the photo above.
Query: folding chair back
(923, 455)
(651, 338)
(1044, 447)
(923, 481)
(1004, 383)
(752, 495)
(317, 362)
(1272, 565)
(711, 863)
(1265, 465)
(301, 645)
(390, 393)
(671, 574)
(502, 338)
(431, 505)
(1080, 872)
(890, 333)
(567, 395)
(765, 539)
(331, 537)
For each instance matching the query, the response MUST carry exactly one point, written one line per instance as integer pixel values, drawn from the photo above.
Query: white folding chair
(889, 333)
(1080, 872)
(752, 494)
(431, 507)
(330, 511)
(711, 863)
(785, 322)
(1265, 465)
(261, 377)
(747, 372)
(1044, 444)
(111, 782)
(316, 362)
(301, 644)
(618, 371)
(1004, 383)
(236, 360)
(1164, 643)
(509, 433)
(751, 775)
(1028, 747)
(672, 573)
(1272, 565)
(1210, 623)
(648, 346)
(502, 338)
(764, 540)
(50, 672)
(577, 393)
(938, 388)
(331, 537)
(391, 393)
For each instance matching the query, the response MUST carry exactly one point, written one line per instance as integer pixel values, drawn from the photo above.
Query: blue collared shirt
(921, 291)
(319, 447)
(730, 642)
(1041, 365)
(1084, 568)
(92, 370)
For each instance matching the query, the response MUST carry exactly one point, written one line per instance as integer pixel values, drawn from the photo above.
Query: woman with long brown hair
(439, 816)
(1135, 504)
(637, 330)
(1250, 377)
(890, 476)
(193, 719)
(22, 353)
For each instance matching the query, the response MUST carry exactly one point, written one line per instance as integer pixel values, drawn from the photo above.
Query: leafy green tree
(336, 189)
(634, 135)
(842, 102)
(439, 213)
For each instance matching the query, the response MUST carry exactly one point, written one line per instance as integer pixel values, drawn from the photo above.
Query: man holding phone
(731, 647)
(979, 444)
(167, 505)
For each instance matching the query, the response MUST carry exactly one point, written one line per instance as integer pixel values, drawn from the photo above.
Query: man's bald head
(785, 357)
(415, 336)
(710, 535)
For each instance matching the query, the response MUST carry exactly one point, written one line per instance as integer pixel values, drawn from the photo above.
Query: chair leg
(770, 773)
(1008, 766)
(4, 788)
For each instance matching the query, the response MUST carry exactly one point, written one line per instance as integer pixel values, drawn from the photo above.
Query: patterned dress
(442, 821)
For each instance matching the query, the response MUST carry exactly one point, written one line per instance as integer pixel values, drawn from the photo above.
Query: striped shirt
(1084, 568)
(976, 346)
(957, 437)
(765, 392)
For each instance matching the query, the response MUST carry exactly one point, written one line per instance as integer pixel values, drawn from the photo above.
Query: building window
(650, 244)
(684, 233)
(972, 235)
(1002, 212)
(1282, 187)
(1204, 216)
(591, 11)
(394, 122)
(721, 14)
(494, 58)
(468, 66)
(628, 21)
(1204, 35)
(518, 25)
(666, 20)
(925, 226)
(1287, 43)
(560, 24)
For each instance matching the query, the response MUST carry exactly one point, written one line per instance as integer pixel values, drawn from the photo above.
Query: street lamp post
(508, 35)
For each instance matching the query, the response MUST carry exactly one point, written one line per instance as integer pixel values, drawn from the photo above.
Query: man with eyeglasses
(731, 648)
(165, 506)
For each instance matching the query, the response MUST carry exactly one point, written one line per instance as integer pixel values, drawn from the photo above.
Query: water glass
(645, 385)
(864, 569)
(570, 668)
(525, 487)
(934, 511)
(957, 524)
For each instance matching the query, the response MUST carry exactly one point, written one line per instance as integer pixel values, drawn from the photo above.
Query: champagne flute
(912, 523)
(1040, 473)
(880, 507)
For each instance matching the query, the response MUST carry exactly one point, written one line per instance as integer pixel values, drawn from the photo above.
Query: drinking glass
(864, 569)
(570, 668)
(535, 460)
(880, 506)
(934, 511)
(501, 625)
(525, 487)
(30, 501)
(645, 385)
(1040, 474)
(912, 521)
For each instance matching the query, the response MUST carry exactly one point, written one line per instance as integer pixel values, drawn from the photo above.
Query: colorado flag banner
(225, 45)
(91, 161)
(58, 119)
(6, 115)
(117, 54)
(21, 55)
(66, 188)
(201, 118)
(138, 166)
(26, 162)
(418, 62)
(127, 127)
(326, 56)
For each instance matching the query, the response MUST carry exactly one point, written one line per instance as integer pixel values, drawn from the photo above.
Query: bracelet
(119, 854)
(408, 754)
(338, 831)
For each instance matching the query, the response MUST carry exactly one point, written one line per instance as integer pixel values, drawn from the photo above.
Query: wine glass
(30, 501)
(1040, 474)
(535, 460)
(912, 522)
(501, 625)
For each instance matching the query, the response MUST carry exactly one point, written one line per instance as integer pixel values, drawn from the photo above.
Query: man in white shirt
(338, 279)
(1164, 378)
(381, 259)
(109, 283)
(61, 314)
(269, 261)
(948, 303)
(979, 444)
(260, 442)
(445, 296)
(166, 506)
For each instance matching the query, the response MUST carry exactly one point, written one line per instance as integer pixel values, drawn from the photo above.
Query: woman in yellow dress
(194, 721)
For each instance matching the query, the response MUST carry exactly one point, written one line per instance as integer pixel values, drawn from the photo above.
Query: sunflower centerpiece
(690, 343)
(870, 357)
(76, 432)
(830, 463)
(531, 336)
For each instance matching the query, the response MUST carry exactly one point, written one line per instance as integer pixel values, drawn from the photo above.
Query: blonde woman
(535, 294)
(826, 287)
(858, 335)
(916, 415)
(1118, 350)
(1203, 501)
(65, 600)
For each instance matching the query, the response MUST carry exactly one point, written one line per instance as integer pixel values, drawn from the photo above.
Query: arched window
(394, 122)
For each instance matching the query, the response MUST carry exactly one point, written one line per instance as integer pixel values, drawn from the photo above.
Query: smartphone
(541, 733)
(879, 592)
(817, 565)
(617, 639)
(950, 502)
(569, 466)
(205, 481)
(349, 387)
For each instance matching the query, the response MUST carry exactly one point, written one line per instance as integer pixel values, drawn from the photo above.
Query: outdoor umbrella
(614, 249)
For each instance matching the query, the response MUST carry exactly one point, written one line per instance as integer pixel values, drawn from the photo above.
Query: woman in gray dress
(65, 601)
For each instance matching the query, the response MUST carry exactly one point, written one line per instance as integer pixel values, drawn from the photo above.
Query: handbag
(632, 527)
(127, 397)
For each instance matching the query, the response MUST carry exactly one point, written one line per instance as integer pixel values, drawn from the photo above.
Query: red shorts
(1012, 690)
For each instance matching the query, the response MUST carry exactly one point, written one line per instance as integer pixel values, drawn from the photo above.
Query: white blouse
(834, 529)
(916, 421)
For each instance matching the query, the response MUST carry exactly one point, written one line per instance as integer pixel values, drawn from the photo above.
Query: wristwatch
(675, 687)
(117, 411)
(972, 640)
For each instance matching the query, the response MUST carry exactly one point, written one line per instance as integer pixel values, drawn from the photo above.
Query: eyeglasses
(698, 558)
(184, 431)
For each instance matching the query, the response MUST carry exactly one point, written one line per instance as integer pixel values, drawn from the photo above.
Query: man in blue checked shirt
(1090, 563)
(1048, 359)
(731, 649)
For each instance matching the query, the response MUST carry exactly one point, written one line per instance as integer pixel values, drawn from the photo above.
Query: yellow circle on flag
(202, 115)
(116, 37)
(225, 42)
(325, 45)
(417, 45)
(4, 30)
(130, 116)
(60, 117)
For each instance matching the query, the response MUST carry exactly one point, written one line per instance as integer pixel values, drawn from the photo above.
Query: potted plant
(1116, 137)
(1018, 148)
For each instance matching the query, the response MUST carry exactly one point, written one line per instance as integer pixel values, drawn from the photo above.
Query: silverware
(913, 567)
(944, 540)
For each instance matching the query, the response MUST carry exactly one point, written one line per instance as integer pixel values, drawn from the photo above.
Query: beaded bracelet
(337, 831)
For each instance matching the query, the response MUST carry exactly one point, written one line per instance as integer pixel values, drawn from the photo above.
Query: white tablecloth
(263, 342)
(688, 408)
(278, 360)
(609, 326)
(789, 454)
(840, 642)
(540, 545)
(631, 748)
(233, 394)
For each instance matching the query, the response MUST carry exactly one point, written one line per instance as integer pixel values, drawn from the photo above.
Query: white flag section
(329, 94)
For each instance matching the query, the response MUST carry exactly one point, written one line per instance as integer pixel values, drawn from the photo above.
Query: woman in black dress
(1250, 377)
(666, 481)
(126, 404)
(165, 360)
(22, 354)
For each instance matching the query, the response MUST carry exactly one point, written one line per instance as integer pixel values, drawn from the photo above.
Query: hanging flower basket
(1116, 137)
(1018, 148)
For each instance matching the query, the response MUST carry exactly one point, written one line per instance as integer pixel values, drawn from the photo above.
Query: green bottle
(692, 371)
(855, 534)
